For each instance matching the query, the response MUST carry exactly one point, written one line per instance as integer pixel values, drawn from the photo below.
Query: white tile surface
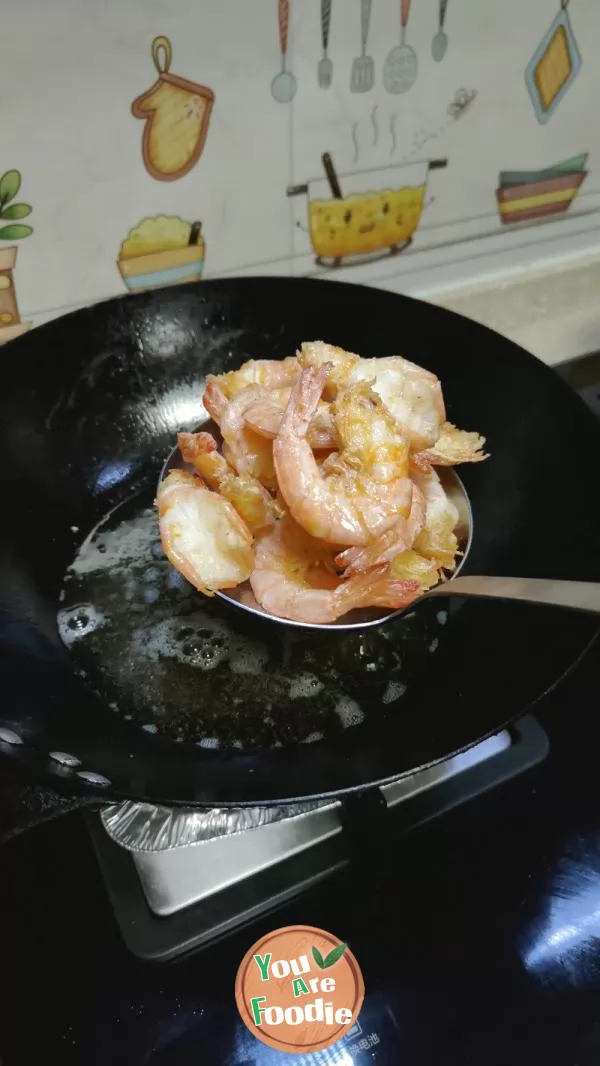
(69, 72)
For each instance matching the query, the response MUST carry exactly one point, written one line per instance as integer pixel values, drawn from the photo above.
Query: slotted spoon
(325, 66)
(363, 67)
(401, 66)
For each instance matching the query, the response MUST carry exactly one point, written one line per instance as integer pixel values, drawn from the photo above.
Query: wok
(162, 695)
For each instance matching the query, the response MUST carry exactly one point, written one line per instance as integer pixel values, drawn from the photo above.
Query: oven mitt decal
(176, 113)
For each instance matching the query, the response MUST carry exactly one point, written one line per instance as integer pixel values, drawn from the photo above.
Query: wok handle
(577, 595)
(26, 802)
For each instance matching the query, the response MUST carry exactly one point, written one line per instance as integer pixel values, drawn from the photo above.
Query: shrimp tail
(304, 400)
(393, 542)
(377, 589)
(381, 551)
(452, 447)
(200, 451)
(193, 444)
(214, 400)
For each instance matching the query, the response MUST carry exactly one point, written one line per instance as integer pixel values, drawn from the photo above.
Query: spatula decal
(176, 113)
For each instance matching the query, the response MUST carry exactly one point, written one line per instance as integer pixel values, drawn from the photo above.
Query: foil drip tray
(184, 856)
(145, 827)
(180, 879)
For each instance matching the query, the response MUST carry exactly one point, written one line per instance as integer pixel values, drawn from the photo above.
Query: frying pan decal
(363, 215)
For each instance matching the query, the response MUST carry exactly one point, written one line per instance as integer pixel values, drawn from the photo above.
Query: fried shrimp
(271, 373)
(368, 435)
(411, 394)
(453, 446)
(202, 535)
(437, 540)
(251, 500)
(320, 493)
(289, 582)
(244, 449)
(393, 542)
(265, 416)
(349, 503)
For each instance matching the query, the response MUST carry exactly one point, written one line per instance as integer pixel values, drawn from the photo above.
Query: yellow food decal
(176, 113)
(159, 251)
(365, 222)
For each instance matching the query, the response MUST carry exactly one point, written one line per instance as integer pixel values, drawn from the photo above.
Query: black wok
(166, 696)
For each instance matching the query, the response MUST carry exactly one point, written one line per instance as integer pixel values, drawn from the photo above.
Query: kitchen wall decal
(463, 98)
(362, 74)
(10, 321)
(364, 215)
(401, 66)
(284, 84)
(533, 195)
(325, 65)
(176, 113)
(355, 142)
(362, 138)
(554, 66)
(393, 138)
(439, 43)
(162, 250)
(375, 124)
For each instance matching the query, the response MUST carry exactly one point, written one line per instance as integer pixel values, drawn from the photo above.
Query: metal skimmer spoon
(577, 595)
(401, 65)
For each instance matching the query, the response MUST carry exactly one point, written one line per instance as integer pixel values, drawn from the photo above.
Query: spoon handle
(443, 6)
(283, 14)
(325, 22)
(579, 595)
(365, 18)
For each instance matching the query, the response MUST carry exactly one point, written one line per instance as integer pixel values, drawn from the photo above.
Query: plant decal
(10, 183)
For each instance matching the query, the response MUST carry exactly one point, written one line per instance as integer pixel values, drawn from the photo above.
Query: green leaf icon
(15, 232)
(316, 954)
(335, 954)
(10, 183)
(16, 211)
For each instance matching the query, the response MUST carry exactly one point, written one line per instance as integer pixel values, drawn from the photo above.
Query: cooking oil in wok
(196, 671)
